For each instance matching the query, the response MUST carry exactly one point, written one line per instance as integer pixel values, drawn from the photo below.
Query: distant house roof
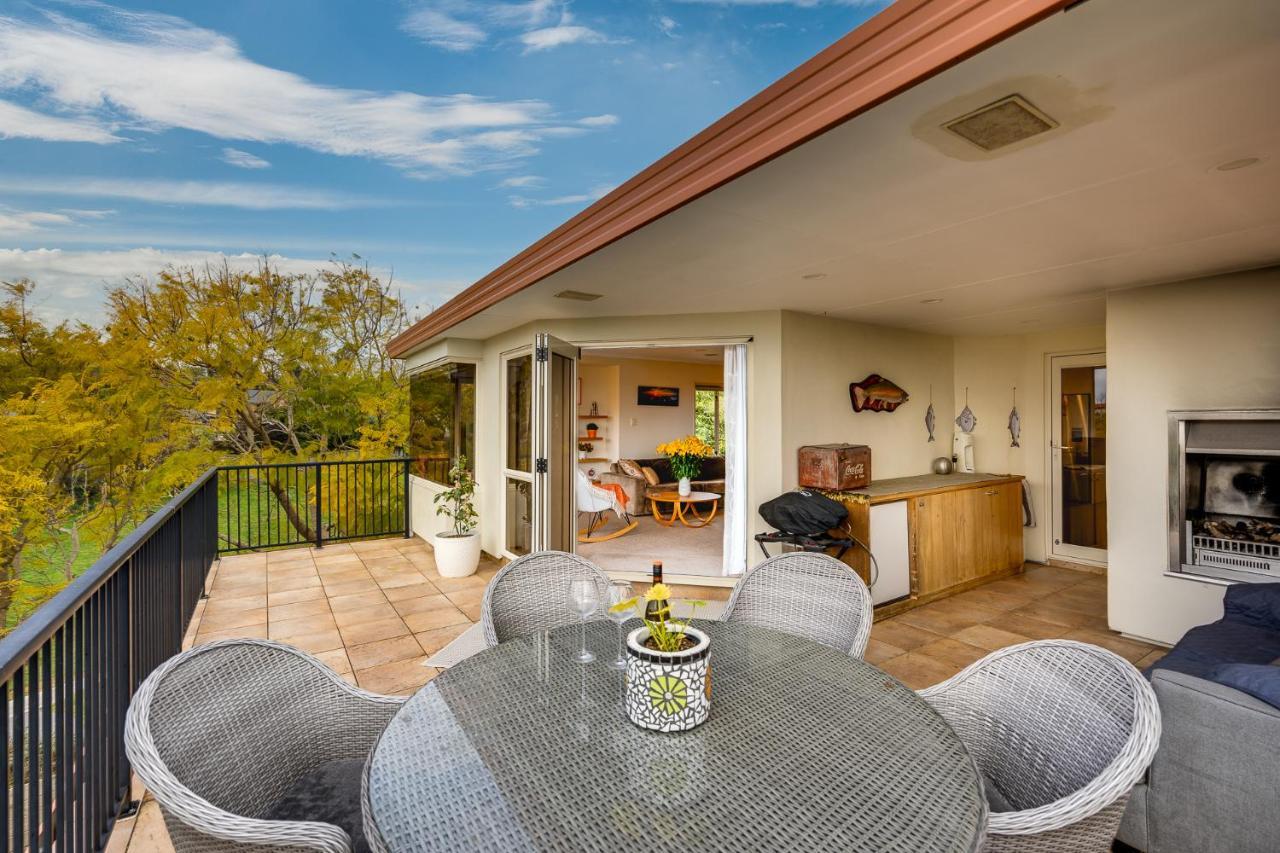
(905, 44)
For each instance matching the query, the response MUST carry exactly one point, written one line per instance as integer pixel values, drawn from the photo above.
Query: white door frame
(1057, 549)
(509, 473)
(546, 348)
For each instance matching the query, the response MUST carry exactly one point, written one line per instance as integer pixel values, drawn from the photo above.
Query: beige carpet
(682, 550)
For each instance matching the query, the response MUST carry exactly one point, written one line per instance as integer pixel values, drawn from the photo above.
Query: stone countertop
(900, 488)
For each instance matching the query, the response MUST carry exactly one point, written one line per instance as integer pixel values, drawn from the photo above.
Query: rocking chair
(596, 502)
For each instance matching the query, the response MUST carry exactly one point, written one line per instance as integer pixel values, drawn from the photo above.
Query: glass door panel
(555, 367)
(519, 516)
(1080, 467)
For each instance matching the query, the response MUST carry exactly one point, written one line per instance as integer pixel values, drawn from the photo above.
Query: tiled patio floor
(375, 611)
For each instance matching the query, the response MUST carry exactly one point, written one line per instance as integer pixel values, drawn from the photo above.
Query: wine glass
(584, 598)
(619, 591)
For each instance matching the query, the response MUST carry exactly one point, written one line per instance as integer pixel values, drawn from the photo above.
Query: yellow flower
(658, 592)
(624, 606)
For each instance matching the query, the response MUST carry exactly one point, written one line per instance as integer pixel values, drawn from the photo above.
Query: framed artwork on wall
(657, 395)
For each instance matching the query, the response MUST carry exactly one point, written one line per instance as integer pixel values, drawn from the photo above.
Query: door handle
(992, 492)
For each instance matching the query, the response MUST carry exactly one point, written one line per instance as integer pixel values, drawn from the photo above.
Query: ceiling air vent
(577, 296)
(1002, 123)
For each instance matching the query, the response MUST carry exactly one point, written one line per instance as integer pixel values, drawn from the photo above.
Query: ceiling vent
(577, 296)
(1002, 123)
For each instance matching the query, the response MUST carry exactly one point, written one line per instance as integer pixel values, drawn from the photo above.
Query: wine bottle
(653, 609)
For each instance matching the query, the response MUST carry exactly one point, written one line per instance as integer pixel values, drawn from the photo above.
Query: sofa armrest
(1213, 782)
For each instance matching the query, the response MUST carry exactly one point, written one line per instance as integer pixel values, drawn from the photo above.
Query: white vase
(668, 691)
(685, 487)
(457, 556)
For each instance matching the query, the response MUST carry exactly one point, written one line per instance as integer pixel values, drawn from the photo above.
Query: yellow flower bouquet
(686, 455)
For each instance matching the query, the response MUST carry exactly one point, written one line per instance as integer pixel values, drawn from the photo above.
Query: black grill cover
(803, 513)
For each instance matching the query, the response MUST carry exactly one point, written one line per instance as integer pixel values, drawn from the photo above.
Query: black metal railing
(311, 503)
(68, 672)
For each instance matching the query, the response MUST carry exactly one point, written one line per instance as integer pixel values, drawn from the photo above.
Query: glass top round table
(522, 748)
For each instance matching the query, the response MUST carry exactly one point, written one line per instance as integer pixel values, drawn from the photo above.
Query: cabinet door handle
(991, 491)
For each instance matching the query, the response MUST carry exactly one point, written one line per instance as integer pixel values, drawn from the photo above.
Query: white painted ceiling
(1151, 96)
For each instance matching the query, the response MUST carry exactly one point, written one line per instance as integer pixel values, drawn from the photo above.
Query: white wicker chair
(219, 734)
(814, 596)
(532, 594)
(1061, 732)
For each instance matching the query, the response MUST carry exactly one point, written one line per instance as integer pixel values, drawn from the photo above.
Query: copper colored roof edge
(903, 45)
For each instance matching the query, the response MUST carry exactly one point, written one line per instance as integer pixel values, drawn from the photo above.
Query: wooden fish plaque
(835, 467)
(876, 394)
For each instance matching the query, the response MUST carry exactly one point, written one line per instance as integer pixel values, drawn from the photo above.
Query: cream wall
(600, 384)
(642, 428)
(1202, 344)
(990, 368)
(764, 395)
(821, 356)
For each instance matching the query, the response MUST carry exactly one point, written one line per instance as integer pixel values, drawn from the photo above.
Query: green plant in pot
(457, 546)
(668, 666)
(592, 430)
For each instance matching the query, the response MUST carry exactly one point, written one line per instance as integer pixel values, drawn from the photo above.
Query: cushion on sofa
(1205, 647)
(631, 468)
(1261, 681)
(1256, 604)
(650, 476)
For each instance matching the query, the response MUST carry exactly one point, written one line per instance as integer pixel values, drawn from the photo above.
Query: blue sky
(434, 138)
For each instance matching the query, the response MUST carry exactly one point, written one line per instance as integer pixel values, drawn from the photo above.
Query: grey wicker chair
(1061, 732)
(532, 594)
(814, 596)
(219, 734)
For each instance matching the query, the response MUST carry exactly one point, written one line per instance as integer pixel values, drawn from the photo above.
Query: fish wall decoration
(967, 420)
(929, 418)
(876, 394)
(1015, 422)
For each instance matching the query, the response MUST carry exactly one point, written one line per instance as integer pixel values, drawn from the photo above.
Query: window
(708, 416)
(442, 419)
(520, 414)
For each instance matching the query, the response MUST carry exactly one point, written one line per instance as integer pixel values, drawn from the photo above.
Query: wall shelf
(594, 459)
(593, 417)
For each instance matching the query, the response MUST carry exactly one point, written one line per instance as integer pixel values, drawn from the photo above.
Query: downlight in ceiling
(1002, 123)
(578, 296)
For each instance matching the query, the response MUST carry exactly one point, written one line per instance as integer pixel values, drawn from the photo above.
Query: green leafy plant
(456, 502)
(667, 633)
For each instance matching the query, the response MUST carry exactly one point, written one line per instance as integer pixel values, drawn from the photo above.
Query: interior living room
(631, 402)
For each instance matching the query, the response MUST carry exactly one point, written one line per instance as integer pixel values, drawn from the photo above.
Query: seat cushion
(1222, 642)
(329, 793)
(1256, 604)
(1260, 681)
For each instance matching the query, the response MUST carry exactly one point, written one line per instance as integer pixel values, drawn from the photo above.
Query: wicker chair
(222, 733)
(1061, 732)
(532, 594)
(810, 595)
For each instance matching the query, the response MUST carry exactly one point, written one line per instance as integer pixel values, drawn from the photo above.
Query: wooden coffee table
(682, 507)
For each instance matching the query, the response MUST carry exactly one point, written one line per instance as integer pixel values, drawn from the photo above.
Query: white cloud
(668, 25)
(148, 73)
(243, 159)
(560, 35)
(203, 193)
(522, 181)
(595, 194)
(606, 120)
(463, 25)
(24, 222)
(71, 284)
(21, 123)
(441, 29)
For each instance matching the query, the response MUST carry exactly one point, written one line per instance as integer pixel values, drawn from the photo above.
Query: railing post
(319, 514)
(408, 517)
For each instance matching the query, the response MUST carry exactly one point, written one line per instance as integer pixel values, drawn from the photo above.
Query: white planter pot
(668, 692)
(457, 556)
(685, 486)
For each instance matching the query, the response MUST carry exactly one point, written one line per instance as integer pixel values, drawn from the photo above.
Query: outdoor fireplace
(1224, 493)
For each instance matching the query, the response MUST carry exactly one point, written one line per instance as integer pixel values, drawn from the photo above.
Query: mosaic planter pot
(668, 691)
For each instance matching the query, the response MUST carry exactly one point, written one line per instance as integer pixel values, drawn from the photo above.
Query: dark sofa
(710, 480)
(1213, 784)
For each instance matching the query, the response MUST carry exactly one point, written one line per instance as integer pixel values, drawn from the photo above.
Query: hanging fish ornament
(929, 418)
(876, 394)
(967, 419)
(1015, 422)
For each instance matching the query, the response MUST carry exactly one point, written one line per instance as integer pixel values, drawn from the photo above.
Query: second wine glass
(584, 599)
(620, 591)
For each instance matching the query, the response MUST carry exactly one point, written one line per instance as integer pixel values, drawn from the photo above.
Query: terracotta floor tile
(951, 652)
(298, 571)
(251, 632)
(918, 671)
(430, 619)
(286, 584)
(1055, 573)
(943, 619)
(989, 637)
(342, 588)
(471, 611)
(373, 613)
(361, 633)
(239, 589)
(383, 651)
(460, 597)
(399, 579)
(290, 558)
(423, 604)
(437, 638)
(398, 678)
(331, 561)
(458, 584)
(902, 635)
(344, 574)
(1084, 599)
(221, 621)
(388, 562)
(417, 590)
(219, 603)
(298, 609)
(878, 652)
(1026, 626)
(992, 600)
(286, 628)
(357, 601)
(1045, 612)
(1131, 650)
(336, 660)
(1150, 658)
(293, 596)
(149, 834)
(316, 642)
(236, 561)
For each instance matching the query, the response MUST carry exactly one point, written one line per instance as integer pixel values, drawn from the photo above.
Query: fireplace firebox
(1224, 494)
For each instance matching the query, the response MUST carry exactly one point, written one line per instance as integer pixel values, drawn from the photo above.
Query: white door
(1078, 457)
(555, 369)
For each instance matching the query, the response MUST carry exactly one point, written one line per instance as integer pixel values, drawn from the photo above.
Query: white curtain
(735, 463)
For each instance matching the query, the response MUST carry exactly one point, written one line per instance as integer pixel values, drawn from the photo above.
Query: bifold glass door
(555, 369)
